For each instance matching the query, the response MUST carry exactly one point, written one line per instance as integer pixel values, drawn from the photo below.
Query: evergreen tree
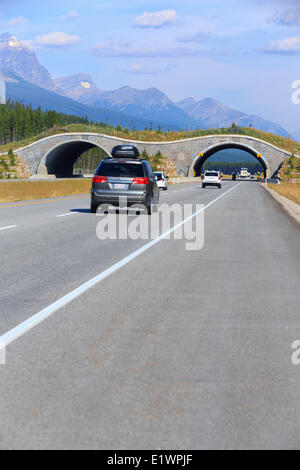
(18, 122)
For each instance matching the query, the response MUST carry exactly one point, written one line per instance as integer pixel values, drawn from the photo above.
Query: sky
(243, 53)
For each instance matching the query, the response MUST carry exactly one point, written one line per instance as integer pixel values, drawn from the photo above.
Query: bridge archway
(60, 160)
(200, 159)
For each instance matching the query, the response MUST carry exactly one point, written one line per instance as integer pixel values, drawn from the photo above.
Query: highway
(175, 349)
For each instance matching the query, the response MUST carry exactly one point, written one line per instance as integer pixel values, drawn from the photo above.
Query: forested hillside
(18, 122)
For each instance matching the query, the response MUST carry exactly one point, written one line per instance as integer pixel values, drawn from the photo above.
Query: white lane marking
(68, 213)
(9, 226)
(34, 320)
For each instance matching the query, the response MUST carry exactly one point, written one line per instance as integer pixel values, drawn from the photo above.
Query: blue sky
(244, 53)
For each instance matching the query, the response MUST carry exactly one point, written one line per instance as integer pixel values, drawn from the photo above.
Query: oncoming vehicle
(161, 179)
(124, 175)
(244, 173)
(211, 178)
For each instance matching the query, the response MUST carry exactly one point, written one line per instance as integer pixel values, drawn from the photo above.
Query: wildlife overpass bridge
(57, 154)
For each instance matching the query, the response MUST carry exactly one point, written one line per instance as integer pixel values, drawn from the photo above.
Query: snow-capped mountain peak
(7, 40)
(20, 59)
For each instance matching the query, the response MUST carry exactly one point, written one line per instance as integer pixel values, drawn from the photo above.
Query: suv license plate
(120, 186)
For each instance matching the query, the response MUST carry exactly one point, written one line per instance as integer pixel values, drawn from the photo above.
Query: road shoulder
(291, 207)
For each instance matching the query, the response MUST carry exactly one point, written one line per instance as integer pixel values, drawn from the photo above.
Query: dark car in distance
(124, 175)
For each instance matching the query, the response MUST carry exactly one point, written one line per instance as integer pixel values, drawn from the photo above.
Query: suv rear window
(120, 169)
(158, 176)
(211, 173)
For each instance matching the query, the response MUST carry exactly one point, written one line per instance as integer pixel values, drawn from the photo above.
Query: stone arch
(199, 160)
(60, 159)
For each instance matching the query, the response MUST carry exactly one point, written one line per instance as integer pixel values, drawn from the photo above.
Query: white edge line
(34, 320)
(68, 213)
(9, 226)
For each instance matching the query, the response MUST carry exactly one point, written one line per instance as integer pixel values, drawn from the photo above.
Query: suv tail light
(140, 181)
(99, 179)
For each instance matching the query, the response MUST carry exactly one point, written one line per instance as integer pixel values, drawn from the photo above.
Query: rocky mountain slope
(21, 60)
(79, 87)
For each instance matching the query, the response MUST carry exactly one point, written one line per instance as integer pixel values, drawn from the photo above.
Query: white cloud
(285, 46)
(111, 48)
(55, 39)
(288, 18)
(17, 20)
(196, 37)
(140, 70)
(156, 19)
(70, 15)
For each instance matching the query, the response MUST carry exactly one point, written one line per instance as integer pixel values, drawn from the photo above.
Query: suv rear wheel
(152, 208)
(94, 208)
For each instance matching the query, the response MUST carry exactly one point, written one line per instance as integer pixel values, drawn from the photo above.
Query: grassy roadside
(14, 191)
(288, 190)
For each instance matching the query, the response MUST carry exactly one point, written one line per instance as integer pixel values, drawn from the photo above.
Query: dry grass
(28, 190)
(289, 190)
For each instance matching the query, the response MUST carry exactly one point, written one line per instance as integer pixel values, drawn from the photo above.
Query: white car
(244, 173)
(161, 180)
(211, 178)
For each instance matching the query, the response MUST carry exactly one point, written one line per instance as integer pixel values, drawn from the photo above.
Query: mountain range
(213, 114)
(27, 80)
(17, 89)
(151, 104)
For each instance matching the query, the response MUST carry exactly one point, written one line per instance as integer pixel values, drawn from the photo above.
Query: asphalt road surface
(175, 349)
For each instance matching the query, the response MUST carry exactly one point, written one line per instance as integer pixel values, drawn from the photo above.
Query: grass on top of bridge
(149, 135)
(13, 191)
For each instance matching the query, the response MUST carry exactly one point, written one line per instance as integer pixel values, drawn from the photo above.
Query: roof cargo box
(125, 151)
